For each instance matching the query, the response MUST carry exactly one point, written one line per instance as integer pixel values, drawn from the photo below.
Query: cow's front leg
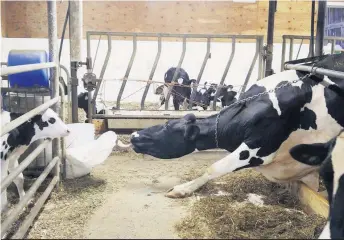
(176, 104)
(242, 157)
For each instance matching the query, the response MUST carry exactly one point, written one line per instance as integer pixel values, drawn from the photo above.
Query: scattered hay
(58, 220)
(219, 217)
(231, 215)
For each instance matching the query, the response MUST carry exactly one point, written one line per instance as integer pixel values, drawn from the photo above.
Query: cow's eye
(52, 120)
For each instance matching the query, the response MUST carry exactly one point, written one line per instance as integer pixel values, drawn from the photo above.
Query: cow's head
(329, 156)
(83, 101)
(49, 125)
(173, 139)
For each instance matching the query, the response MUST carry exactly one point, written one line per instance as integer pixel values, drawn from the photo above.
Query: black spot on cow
(254, 162)
(5, 157)
(244, 155)
(6, 146)
(3, 143)
(52, 120)
(308, 119)
(2, 155)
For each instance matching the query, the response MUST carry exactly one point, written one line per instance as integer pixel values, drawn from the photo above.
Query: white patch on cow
(274, 100)
(272, 81)
(135, 134)
(337, 163)
(213, 94)
(325, 234)
(328, 80)
(202, 91)
(255, 199)
(318, 105)
(180, 80)
(5, 117)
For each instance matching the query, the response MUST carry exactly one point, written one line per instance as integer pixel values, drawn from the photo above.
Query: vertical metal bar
(298, 52)
(270, 38)
(260, 59)
(181, 59)
(133, 54)
(62, 142)
(157, 57)
(311, 43)
(205, 60)
(102, 72)
(322, 6)
(26, 103)
(332, 46)
(53, 57)
(291, 49)
(224, 75)
(75, 38)
(284, 43)
(249, 72)
(89, 58)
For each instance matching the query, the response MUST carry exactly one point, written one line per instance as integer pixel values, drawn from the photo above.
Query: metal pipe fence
(292, 38)
(58, 150)
(158, 38)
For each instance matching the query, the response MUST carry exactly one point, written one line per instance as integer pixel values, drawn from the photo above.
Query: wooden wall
(29, 19)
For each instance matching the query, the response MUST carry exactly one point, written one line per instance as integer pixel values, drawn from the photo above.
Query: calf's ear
(310, 154)
(191, 132)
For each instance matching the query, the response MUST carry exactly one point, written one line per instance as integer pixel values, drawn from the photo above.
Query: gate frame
(58, 151)
(89, 77)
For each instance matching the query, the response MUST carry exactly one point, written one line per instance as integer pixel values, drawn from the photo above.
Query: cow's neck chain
(251, 98)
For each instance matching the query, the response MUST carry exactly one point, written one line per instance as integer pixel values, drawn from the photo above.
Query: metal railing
(158, 38)
(293, 38)
(7, 222)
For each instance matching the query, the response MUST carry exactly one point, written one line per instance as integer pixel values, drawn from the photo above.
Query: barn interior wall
(216, 17)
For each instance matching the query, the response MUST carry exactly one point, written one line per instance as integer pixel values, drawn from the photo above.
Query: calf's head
(329, 156)
(48, 125)
(173, 139)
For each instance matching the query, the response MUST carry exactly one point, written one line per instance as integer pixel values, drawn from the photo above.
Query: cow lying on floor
(329, 156)
(14, 143)
(258, 133)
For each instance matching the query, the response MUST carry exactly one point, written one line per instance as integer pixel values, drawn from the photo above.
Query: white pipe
(26, 68)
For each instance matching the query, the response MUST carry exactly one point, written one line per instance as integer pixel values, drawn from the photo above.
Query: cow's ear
(159, 90)
(191, 132)
(310, 154)
(190, 118)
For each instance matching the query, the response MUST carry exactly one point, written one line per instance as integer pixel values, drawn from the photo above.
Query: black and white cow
(257, 133)
(205, 96)
(180, 93)
(83, 103)
(13, 144)
(329, 156)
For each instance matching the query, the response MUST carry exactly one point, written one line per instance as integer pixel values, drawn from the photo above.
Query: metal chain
(251, 98)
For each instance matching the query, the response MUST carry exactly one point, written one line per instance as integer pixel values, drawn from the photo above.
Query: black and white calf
(205, 96)
(83, 103)
(14, 143)
(258, 133)
(329, 156)
(181, 91)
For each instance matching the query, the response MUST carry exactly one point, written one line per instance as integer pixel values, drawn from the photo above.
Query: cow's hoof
(179, 191)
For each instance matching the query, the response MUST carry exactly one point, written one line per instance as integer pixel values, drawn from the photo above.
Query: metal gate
(58, 149)
(93, 82)
(293, 38)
